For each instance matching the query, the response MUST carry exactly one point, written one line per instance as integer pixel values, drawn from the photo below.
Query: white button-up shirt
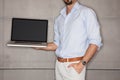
(75, 31)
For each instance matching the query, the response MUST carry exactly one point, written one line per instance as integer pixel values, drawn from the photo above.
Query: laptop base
(26, 44)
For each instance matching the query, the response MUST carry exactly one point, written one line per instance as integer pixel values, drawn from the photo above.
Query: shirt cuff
(99, 44)
(56, 43)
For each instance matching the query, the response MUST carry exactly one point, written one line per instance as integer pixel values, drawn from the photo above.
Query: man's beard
(68, 3)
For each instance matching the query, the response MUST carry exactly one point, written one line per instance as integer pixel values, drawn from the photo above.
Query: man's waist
(69, 59)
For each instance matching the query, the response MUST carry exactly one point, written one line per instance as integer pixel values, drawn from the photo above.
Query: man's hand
(77, 66)
(50, 47)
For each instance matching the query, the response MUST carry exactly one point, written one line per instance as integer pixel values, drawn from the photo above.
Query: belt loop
(67, 60)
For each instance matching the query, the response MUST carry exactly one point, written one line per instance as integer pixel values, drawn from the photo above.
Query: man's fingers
(71, 65)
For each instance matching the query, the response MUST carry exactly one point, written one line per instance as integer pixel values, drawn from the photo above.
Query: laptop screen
(33, 30)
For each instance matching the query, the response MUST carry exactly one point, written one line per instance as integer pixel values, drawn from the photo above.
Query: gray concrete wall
(1, 32)
(1, 39)
(28, 64)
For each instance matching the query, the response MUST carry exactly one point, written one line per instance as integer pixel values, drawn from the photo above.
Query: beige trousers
(64, 73)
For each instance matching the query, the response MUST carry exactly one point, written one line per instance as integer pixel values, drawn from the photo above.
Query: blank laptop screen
(29, 30)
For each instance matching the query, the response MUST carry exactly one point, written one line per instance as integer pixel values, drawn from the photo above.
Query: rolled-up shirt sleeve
(56, 34)
(93, 29)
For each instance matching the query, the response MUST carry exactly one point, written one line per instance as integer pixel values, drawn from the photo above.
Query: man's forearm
(50, 47)
(90, 52)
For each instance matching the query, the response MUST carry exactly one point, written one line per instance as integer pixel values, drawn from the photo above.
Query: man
(77, 38)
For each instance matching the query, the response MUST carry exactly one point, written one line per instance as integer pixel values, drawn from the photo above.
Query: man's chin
(68, 3)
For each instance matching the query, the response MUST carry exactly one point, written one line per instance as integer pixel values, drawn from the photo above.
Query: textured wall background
(28, 64)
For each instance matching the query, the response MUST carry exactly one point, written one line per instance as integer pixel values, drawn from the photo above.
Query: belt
(69, 59)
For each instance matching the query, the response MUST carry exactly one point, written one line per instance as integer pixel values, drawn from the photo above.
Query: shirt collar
(75, 7)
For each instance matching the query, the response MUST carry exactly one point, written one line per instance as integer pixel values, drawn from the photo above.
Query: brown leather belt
(69, 59)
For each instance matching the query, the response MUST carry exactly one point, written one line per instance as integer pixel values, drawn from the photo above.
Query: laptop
(28, 33)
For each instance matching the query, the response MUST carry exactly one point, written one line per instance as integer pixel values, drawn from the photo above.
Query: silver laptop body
(28, 33)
